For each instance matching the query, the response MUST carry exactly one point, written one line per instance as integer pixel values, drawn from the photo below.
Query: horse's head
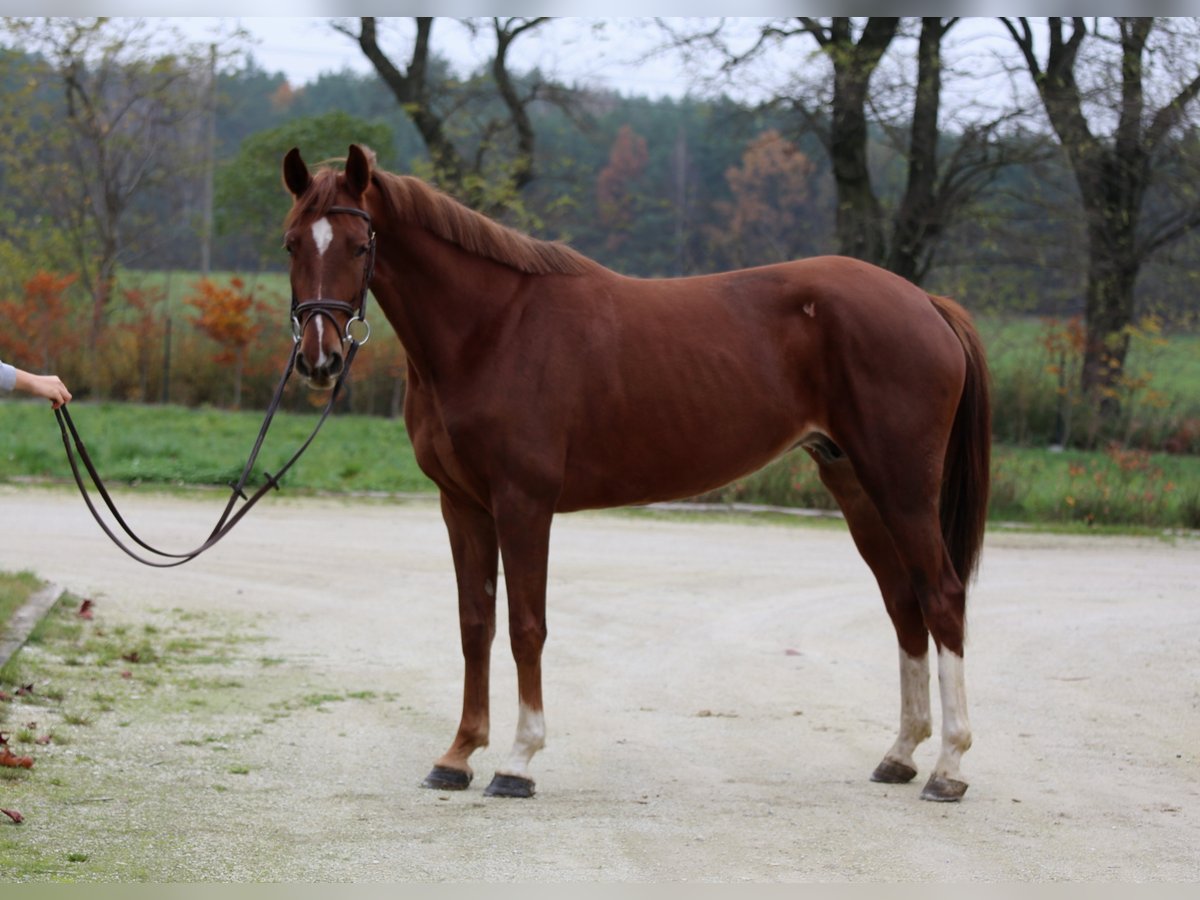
(332, 247)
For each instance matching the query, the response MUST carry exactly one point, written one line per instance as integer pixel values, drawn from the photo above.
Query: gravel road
(717, 693)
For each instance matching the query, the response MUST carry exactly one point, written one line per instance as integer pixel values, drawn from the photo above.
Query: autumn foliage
(38, 325)
(230, 316)
(616, 185)
(765, 219)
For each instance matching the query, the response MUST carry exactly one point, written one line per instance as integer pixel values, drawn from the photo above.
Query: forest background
(140, 239)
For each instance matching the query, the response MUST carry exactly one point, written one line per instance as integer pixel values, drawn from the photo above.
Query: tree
(251, 199)
(616, 191)
(228, 315)
(38, 329)
(847, 114)
(767, 219)
(1114, 170)
(475, 172)
(128, 110)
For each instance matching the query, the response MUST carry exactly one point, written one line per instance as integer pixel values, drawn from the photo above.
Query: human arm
(49, 387)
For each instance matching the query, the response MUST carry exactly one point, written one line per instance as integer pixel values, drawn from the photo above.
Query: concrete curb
(25, 619)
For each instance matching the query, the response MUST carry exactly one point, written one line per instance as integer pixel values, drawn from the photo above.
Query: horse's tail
(966, 477)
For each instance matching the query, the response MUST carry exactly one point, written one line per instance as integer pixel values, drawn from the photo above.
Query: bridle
(303, 311)
(301, 314)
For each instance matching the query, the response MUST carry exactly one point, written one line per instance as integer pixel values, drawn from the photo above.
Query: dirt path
(717, 694)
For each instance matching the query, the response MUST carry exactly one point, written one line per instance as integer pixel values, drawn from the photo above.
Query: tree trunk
(917, 223)
(859, 218)
(411, 91)
(1109, 313)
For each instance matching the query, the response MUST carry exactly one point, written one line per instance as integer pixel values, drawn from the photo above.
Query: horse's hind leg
(877, 550)
(906, 500)
(474, 548)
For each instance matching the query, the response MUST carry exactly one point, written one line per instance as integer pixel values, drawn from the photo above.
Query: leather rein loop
(77, 453)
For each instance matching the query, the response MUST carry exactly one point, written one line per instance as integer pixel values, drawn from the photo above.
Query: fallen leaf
(132, 657)
(5, 697)
(25, 690)
(14, 815)
(8, 758)
(85, 609)
(126, 674)
(43, 739)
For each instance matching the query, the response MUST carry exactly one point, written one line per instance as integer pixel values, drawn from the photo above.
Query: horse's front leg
(474, 548)
(524, 533)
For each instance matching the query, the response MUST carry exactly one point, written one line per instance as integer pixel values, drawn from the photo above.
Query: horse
(541, 382)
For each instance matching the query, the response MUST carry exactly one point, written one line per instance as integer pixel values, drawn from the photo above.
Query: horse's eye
(361, 250)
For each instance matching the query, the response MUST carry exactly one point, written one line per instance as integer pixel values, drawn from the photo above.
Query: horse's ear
(358, 169)
(295, 173)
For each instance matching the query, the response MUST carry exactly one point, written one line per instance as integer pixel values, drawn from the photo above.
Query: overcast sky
(608, 53)
(613, 52)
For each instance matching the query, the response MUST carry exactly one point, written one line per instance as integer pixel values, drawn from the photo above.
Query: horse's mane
(410, 199)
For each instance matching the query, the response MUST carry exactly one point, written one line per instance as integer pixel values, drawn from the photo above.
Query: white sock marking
(956, 729)
(915, 722)
(531, 737)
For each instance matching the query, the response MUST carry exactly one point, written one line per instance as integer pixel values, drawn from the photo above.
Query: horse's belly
(639, 468)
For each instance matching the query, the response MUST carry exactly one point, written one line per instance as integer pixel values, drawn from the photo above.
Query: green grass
(174, 446)
(177, 284)
(179, 448)
(15, 589)
(1174, 359)
(1125, 490)
(1159, 395)
(1116, 489)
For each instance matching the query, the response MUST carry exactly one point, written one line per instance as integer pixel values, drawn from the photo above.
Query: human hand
(48, 386)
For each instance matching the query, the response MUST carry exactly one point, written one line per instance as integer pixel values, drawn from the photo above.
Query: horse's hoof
(943, 790)
(891, 772)
(509, 786)
(443, 778)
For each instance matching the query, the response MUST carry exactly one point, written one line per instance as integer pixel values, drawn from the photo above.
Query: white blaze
(322, 233)
(320, 341)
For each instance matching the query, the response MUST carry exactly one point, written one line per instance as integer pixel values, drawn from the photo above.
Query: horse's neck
(437, 296)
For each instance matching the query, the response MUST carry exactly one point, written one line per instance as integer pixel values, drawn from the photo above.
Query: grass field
(172, 446)
(1034, 383)
(177, 284)
(15, 589)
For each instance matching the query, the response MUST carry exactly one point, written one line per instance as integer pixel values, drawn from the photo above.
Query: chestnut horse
(541, 382)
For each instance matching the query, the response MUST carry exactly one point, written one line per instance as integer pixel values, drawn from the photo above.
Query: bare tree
(129, 105)
(944, 172)
(433, 112)
(1114, 137)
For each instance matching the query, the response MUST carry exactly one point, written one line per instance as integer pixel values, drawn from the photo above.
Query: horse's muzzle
(324, 372)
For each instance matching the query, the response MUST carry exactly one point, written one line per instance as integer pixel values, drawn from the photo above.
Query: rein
(301, 313)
